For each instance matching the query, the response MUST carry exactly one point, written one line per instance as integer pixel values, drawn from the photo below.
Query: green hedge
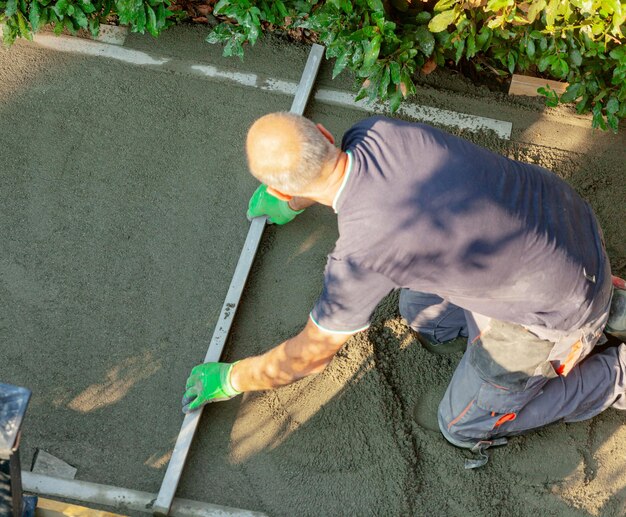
(386, 43)
(23, 17)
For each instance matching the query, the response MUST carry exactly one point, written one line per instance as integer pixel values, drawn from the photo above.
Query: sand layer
(121, 205)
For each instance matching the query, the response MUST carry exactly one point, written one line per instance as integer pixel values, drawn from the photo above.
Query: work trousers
(515, 378)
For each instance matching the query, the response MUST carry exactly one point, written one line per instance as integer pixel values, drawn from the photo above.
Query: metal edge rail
(165, 497)
(122, 499)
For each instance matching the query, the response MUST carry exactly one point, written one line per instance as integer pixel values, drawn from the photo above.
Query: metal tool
(175, 467)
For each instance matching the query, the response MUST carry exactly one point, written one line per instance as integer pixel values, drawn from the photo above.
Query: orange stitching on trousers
(462, 414)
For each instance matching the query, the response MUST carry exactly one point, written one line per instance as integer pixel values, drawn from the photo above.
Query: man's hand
(264, 203)
(209, 382)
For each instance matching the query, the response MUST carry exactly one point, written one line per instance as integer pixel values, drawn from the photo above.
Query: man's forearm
(291, 360)
(273, 369)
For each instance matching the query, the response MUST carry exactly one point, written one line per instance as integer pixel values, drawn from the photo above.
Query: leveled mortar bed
(122, 219)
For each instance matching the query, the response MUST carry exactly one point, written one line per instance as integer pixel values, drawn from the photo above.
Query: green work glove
(276, 210)
(208, 382)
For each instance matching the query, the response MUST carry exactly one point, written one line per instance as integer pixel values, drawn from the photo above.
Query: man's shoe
(447, 347)
(616, 326)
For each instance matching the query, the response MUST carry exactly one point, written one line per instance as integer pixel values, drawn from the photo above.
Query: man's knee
(473, 409)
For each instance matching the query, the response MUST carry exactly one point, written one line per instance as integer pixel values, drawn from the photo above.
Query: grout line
(252, 80)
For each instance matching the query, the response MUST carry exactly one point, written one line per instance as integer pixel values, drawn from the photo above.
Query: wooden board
(526, 85)
(50, 508)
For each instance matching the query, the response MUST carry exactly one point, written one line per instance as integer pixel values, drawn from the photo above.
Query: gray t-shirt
(432, 212)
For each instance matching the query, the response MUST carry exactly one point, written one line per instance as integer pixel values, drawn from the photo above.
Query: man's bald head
(287, 151)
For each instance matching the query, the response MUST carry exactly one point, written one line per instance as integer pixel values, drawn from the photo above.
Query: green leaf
(551, 12)
(80, 18)
(618, 53)
(11, 8)
(372, 51)
(423, 17)
(357, 56)
(530, 48)
(220, 5)
(552, 99)
(583, 105)
(363, 34)
(471, 45)
(394, 69)
(441, 22)
(376, 5)
(140, 21)
(58, 27)
(384, 83)
(425, 40)
(613, 122)
(559, 67)
(94, 27)
(598, 117)
(61, 8)
(497, 5)
(87, 7)
(511, 61)
(406, 84)
(151, 21)
(544, 61)
(233, 48)
(612, 106)
(395, 100)
(341, 62)
(444, 5)
(34, 16)
(69, 25)
(346, 6)
(482, 38)
(535, 8)
(282, 10)
(576, 57)
(460, 47)
(162, 13)
(572, 92)
(23, 26)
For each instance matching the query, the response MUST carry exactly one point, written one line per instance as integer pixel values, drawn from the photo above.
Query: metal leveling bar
(175, 467)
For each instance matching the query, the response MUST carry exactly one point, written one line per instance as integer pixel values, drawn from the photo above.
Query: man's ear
(326, 133)
(278, 194)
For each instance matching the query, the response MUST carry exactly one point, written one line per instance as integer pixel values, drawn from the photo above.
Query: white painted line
(95, 48)
(123, 499)
(235, 77)
(427, 114)
(424, 113)
(279, 86)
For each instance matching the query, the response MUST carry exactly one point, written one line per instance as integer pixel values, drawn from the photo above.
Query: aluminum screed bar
(166, 494)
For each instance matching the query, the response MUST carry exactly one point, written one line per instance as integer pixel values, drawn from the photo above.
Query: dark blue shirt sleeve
(349, 297)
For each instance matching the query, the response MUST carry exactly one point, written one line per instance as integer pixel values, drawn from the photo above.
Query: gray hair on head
(294, 172)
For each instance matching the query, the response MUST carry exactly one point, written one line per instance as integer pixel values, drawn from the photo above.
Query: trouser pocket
(510, 357)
